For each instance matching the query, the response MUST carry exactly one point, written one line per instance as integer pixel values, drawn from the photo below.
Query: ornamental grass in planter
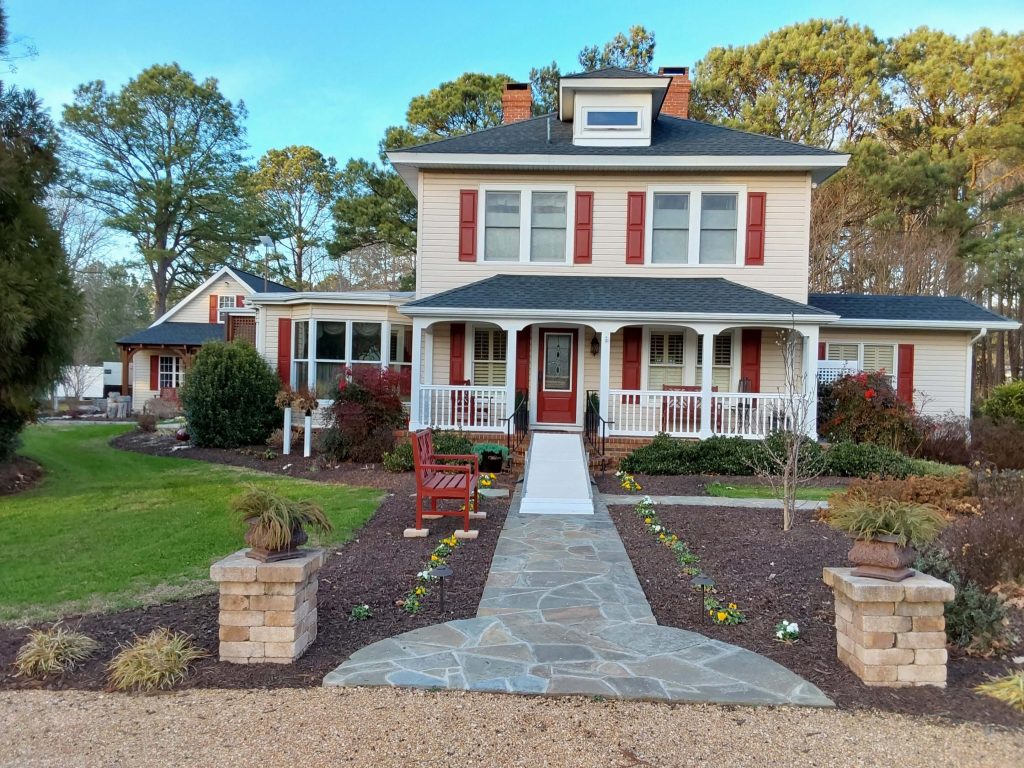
(277, 524)
(885, 532)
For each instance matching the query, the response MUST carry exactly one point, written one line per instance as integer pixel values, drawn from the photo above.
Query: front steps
(557, 476)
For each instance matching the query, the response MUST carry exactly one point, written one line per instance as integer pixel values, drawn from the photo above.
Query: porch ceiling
(567, 296)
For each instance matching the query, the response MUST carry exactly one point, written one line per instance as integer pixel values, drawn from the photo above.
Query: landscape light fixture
(704, 582)
(440, 573)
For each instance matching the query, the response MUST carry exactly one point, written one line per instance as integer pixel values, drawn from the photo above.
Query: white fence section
(830, 370)
(738, 414)
(482, 409)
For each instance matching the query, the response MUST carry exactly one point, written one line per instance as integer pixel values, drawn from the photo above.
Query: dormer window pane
(627, 118)
(670, 235)
(501, 226)
(548, 223)
(718, 217)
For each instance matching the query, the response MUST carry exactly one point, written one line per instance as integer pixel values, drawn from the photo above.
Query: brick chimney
(677, 98)
(516, 102)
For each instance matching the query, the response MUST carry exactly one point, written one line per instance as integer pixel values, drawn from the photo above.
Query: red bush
(864, 408)
(367, 408)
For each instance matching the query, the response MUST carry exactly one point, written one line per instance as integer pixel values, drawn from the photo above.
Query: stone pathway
(563, 613)
(710, 501)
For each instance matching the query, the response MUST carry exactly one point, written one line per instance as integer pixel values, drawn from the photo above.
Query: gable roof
(565, 295)
(901, 311)
(250, 282)
(185, 334)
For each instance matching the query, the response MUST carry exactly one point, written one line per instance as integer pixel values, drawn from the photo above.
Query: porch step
(557, 478)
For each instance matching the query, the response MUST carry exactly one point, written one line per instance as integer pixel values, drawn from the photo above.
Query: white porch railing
(738, 414)
(481, 409)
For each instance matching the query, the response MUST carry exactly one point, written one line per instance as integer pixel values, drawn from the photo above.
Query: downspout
(970, 373)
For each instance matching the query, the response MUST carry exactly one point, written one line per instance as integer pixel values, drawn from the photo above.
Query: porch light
(440, 573)
(595, 345)
(704, 582)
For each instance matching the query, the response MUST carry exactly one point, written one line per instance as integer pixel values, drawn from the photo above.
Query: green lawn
(767, 492)
(109, 529)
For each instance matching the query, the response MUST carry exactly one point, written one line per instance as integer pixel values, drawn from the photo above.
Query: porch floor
(563, 613)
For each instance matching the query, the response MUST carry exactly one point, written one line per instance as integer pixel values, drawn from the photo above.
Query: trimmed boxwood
(228, 396)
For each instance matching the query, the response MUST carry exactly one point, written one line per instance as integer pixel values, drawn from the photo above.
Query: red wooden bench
(443, 481)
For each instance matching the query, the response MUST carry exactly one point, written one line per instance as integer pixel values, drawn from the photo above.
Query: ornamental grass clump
(54, 651)
(909, 523)
(1008, 689)
(274, 521)
(157, 661)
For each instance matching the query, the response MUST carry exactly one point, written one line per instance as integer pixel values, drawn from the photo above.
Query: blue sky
(335, 74)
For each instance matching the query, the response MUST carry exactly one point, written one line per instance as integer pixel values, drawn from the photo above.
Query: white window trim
(860, 354)
(313, 358)
(222, 310)
(525, 220)
(590, 129)
(695, 191)
(176, 373)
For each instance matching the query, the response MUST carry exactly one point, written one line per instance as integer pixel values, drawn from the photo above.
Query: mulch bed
(377, 567)
(261, 458)
(19, 474)
(774, 575)
(694, 485)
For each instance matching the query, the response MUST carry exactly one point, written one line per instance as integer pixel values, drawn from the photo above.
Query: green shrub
(452, 443)
(480, 449)
(159, 660)
(53, 651)
(662, 456)
(228, 396)
(11, 422)
(399, 459)
(1006, 403)
(847, 459)
(975, 619)
(864, 408)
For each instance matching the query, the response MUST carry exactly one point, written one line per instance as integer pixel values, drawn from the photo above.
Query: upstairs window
(718, 228)
(501, 226)
(224, 305)
(527, 225)
(547, 224)
(612, 119)
(695, 226)
(670, 235)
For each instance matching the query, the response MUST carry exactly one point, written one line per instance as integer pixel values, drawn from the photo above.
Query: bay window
(400, 357)
(330, 356)
(527, 225)
(300, 352)
(326, 351)
(695, 226)
(366, 348)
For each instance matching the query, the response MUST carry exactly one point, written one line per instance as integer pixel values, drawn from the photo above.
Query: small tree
(789, 459)
(228, 396)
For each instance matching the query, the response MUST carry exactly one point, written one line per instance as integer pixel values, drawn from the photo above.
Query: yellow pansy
(722, 615)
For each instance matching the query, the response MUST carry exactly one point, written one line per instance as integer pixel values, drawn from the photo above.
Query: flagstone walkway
(563, 613)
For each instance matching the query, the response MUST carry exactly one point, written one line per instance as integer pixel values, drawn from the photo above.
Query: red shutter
(154, 372)
(755, 229)
(632, 343)
(523, 361)
(284, 350)
(905, 374)
(635, 204)
(239, 301)
(750, 358)
(213, 308)
(457, 353)
(584, 242)
(467, 225)
(822, 354)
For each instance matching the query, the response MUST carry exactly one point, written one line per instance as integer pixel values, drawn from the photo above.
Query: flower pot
(299, 538)
(491, 462)
(882, 558)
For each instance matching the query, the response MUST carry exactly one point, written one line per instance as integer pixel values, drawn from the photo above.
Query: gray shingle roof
(608, 72)
(930, 309)
(256, 283)
(565, 293)
(669, 136)
(192, 334)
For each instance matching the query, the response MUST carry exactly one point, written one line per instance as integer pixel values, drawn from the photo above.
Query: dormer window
(612, 119)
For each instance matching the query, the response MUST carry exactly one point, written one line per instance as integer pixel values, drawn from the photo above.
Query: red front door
(556, 388)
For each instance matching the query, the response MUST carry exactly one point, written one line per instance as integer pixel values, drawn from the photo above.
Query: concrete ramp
(557, 481)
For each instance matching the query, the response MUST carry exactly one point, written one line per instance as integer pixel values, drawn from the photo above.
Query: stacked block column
(267, 610)
(891, 633)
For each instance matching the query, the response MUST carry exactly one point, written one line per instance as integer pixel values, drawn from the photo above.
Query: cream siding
(197, 310)
(940, 364)
(785, 272)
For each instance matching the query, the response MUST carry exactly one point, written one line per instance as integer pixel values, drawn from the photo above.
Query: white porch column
(428, 356)
(418, 328)
(385, 345)
(604, 383)
(706, 371)
(510, 371)
(810, 379)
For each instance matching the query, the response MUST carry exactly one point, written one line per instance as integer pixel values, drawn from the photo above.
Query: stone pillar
(267, 610)
(891, 634)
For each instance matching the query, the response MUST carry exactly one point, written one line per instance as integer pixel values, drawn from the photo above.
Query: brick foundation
(891, 634)
(267, 610)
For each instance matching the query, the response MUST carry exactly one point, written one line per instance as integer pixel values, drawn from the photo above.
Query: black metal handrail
(595, 428)
(517, 424)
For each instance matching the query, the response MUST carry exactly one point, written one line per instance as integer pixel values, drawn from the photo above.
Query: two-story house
(619, 267)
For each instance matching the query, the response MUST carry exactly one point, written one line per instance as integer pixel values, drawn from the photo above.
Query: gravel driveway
(385, 727)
